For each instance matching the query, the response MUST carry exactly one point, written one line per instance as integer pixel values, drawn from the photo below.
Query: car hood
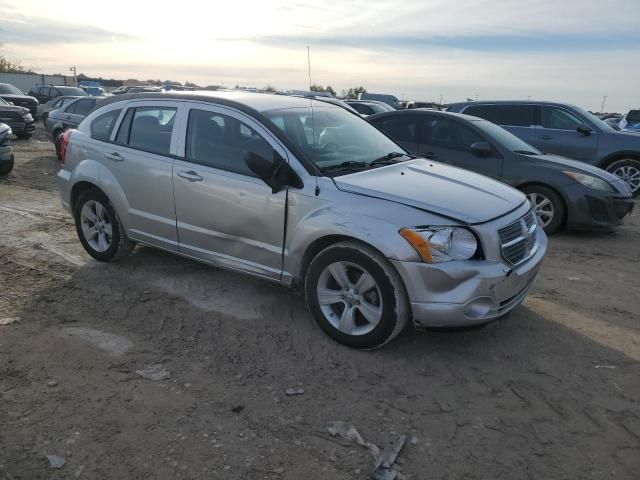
(451, 192)
(18, 98)
(14, 108)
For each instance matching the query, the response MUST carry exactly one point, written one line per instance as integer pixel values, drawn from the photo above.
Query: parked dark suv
(565, 130)
(19, 119)
(44, 93)
(13, 95)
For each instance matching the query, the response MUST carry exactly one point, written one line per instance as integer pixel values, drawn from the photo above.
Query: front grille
(518, 240)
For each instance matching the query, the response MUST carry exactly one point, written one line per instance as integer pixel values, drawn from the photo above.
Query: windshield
(506, 139)
(594, 120)
(332, 137)
(72, 91)
(2, 102)
(9, 89)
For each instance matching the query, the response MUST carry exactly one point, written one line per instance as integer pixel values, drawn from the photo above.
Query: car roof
(427, 111)
(259, 102)
(506, 102)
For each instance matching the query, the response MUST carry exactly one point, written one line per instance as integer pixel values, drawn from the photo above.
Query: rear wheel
(356, 296)
(628, 169)
(547, 205)
(99, 227)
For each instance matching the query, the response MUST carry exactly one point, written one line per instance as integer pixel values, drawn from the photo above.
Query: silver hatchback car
(307, 195)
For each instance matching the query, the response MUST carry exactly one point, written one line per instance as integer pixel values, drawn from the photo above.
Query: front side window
(403, 128)
(331, 136)
(102, 126)
(449, 133)
(362, 109)
(509, 115)
(148, 129)
(223, 142)
(71, 108)
(84, 106)
(559, 119)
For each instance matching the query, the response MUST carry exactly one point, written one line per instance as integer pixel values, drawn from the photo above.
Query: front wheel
(628, 169)
(548, 207)
(24, 136)
(99, 227)
(6, 167)
(356, 296)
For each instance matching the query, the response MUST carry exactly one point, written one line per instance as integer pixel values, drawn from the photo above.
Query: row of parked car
(362, 215)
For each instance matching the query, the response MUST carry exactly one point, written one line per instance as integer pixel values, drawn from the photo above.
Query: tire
(384, 301)
(628, 169)
(57, 136)
(110, 242)
(6, 167)
(24, 136)
(548, 205)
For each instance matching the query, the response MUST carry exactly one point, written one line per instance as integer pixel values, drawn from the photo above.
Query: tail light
(64, 142)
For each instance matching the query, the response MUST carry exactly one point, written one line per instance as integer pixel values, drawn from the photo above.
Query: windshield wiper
(390, 158)
(526, 152)
(348, 165)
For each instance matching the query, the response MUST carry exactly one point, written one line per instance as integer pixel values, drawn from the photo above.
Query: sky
(575, 51)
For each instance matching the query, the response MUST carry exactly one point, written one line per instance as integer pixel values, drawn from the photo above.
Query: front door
(449, 141)
(558, 134)
(225, 214)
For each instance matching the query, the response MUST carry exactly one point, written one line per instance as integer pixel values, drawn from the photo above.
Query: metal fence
(24, 81)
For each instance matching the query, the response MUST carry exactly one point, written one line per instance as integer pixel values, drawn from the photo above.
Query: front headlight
(27, 117)
(591, 182)
(441, 244)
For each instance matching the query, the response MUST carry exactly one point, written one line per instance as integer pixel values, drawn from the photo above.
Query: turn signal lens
(419, 243)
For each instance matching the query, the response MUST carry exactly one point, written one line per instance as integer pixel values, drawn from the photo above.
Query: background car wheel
(44, 119)
(99, 227)
(548, 206)
(356, 296)
(6, 167)
(57, 136)
(24, 136)
(628, 169)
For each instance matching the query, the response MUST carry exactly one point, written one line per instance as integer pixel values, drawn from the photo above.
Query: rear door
(558, 134)
(404, 129)
(139, 156)
(225, 214)
(449, 141)
(76, 112)
(519, 119)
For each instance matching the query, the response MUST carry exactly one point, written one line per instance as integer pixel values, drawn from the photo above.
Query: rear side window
(84, 106)
(221, 141)
(509, 115)
(559, 119)
(102, 126)
(44, 91)
(148, 129)
(403, 128)
(448, 133)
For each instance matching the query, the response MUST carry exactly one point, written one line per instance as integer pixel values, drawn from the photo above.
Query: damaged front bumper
(466, 293)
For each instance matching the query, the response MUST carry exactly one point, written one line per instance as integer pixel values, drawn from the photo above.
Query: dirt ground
(552, 392)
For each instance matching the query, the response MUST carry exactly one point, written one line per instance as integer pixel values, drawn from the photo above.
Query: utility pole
(440, 99)
(75, 77)
(604, 99)
(309, 66)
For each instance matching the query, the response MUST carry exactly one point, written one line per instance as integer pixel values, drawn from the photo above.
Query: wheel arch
(614, 157)
(560, 194)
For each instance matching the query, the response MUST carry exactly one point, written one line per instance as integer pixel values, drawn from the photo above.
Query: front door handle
(430, 155)
(114, 156)
(545, 137)
(190, 175)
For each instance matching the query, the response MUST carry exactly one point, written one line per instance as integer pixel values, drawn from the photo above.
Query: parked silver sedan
(306, 195)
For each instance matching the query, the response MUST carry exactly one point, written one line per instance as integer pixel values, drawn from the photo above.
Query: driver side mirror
(481, 149)
(276, 173)
(584, 129)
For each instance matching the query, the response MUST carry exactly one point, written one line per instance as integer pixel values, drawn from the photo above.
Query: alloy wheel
(630, 175)
(543, 207)
(96, 226)
(349, 298)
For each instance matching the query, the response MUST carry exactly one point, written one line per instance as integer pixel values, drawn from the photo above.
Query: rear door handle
(545, 137)
(190, 175)
(430, 155)
(115, 156)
